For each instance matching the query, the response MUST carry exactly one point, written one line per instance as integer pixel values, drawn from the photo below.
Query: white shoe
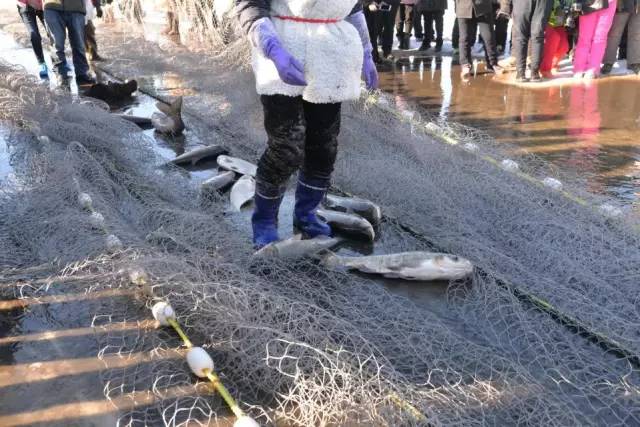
(578, 75)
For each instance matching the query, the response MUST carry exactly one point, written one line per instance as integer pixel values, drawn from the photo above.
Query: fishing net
(298, 344)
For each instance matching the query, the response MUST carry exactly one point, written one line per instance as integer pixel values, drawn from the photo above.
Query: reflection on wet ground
(589, 130)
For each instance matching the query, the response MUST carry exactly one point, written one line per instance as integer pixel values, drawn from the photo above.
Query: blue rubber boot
(44, 71)
(309, 194)
(265, 220)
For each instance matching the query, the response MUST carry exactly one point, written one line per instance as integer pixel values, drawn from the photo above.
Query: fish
(194, 156)
(348, 223)
(219, 181)
(169, 121)
(296, 248)
(242, 191)
(138, 120)
(237, 165)
(365, 208)
(422, 266)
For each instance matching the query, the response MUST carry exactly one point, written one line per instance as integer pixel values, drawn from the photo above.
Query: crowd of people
(594, 33)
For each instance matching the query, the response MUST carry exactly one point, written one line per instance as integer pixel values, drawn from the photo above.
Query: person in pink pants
(594, 25)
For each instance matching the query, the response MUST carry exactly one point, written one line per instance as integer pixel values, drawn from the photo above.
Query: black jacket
(465, 8)
(431, 5)
(249, 11)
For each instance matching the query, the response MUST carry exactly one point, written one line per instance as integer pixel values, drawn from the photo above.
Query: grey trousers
(615, 35)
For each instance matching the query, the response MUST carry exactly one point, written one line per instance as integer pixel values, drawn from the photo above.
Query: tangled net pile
(300, 345)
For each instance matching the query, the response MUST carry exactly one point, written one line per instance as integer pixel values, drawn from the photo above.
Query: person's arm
(369, 72)
(357, 8)
(250, 11)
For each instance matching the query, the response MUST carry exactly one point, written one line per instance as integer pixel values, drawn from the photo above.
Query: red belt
(308, 20)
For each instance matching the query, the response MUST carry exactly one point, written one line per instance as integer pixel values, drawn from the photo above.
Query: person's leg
(40, 16)
(502, 26)
(599, 43)
(75, 24)
(284, 124)
(586, 29)
(522, 10)
(551, 43)
(485, 27)
(28, 16)
(562, 48)
(320, 149)
(371, 19)
(465, 26)
(615, 36)
(539, 20)
(633, 43)
(388, 21)
(438, 17)
(418, 29)
(455, 35)
(55, 24)
(622, 51)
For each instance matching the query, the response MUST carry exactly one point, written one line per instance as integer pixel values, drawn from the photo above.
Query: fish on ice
(365, 208)
(194, 156)
(296, 248)
(169, 121)
(422, 266)
(242, 192)
(348, 223)
(237, 165)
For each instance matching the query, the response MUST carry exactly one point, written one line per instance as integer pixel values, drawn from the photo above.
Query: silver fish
(347, 223)
(296, 248)
(170, 120)
(366, 209)
(237, 165)
(194, 156)
(138, 120)
(219, 181)
(242, 191)
(407, 265)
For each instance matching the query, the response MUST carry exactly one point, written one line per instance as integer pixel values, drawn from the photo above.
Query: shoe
(85, 80)
(424, 46)
(309, 194)
(64, 70)
(509, 62)
(404, 42)
(590, 75)
(635, 68)
(578, 75)
(44, 71)
(496, 69)
(535, 76)
(466, 71)
(388, 57)
(264, 220)
(606, 69)
(521, 77)
(438, 48)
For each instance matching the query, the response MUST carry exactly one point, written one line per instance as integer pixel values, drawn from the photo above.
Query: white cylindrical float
(85, 201)
(97, 220)
(552, 183)
(510, 165)
(470, 146)
(246, 421)
(199, 362)
(113, 243)
(163, 312)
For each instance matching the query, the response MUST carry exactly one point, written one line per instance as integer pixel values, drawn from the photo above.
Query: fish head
(454, 265)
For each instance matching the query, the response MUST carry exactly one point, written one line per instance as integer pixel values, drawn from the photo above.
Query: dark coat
(465, 8)
(431, 5)
(629, 6)
(249, 11)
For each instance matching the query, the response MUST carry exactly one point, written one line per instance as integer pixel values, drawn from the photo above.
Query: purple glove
(264, 35)
(369, 72)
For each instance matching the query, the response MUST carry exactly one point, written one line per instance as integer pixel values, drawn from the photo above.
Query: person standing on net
(627, 16)
(405, 23)
(309, 57)
(433, 13)
(474, 15)
(556, 38)
(530, 19)
(30, 12)
(593, 30)
(64, 16)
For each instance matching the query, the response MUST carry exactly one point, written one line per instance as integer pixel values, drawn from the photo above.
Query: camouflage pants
(301, 135)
